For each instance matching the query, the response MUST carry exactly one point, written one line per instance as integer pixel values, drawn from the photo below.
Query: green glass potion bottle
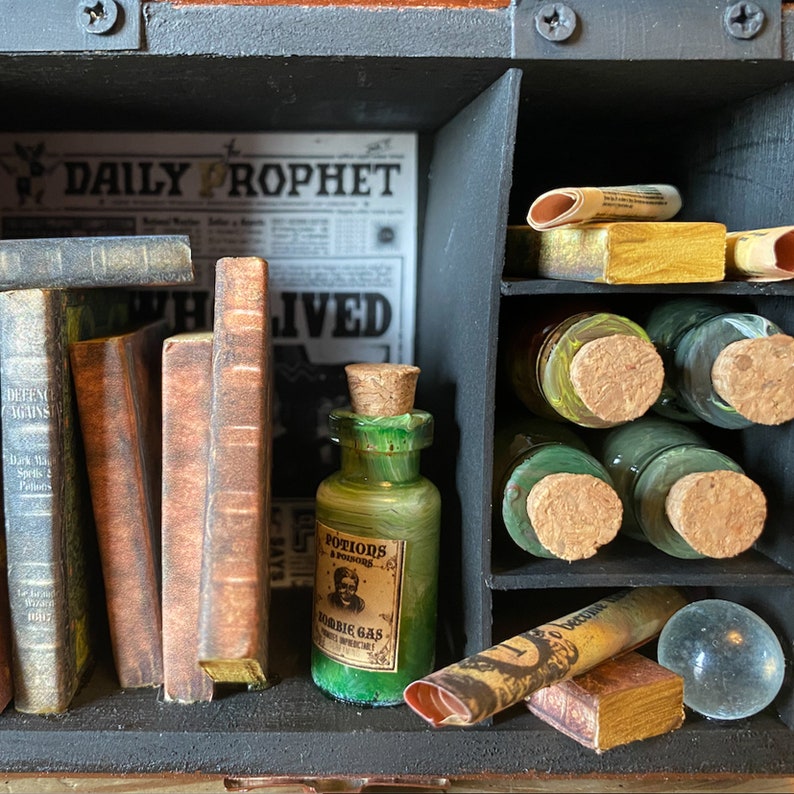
(377, 545)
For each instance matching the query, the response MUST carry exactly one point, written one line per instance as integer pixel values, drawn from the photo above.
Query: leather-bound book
(117, 385)
(50, 535)
(187, 372)
(61, 262)
(622, 700)
(235, 581)
(6, 676)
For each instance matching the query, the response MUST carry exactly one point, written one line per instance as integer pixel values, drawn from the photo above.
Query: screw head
(555, 21)
(743, 20)
(97, 16)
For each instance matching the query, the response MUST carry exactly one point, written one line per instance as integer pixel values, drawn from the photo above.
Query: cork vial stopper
(382, 389)
(573, 515)
(617, 377)
(756, 377)
(718, 513)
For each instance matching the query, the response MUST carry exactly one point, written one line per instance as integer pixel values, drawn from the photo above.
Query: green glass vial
(731, 369)
(684, 497)
(377, 548)
(556, 500)
(596, 369)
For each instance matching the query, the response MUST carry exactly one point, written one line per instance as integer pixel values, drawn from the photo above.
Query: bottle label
(357, 591)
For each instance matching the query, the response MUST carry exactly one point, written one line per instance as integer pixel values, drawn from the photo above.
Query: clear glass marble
(731, 661)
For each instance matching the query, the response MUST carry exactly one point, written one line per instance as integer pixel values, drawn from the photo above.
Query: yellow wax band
(481, 685)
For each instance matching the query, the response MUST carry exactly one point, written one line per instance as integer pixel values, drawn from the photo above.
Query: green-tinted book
(49, 527)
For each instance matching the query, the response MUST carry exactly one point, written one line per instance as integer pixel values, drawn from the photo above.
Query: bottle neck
(379, 467)
(381, 449)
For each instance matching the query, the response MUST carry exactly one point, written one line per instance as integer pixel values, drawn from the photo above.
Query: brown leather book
(117, 385)
(235, 580)
(187, 371)
(622, 700)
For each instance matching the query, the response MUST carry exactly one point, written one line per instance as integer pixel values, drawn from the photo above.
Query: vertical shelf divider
(457, 317)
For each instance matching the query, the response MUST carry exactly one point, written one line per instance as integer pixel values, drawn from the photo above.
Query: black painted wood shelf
(502, 115)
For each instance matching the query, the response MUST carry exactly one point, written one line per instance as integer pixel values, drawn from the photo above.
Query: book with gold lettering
(235, 578)
(50, 537)
(621, 700)
(187, 375)
(117, 384)
(620, 252)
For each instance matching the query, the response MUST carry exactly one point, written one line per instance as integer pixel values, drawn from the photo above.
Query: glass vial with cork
(596, 369)
(555, 498)
(377, 544)
(731, 369)
(679, 493)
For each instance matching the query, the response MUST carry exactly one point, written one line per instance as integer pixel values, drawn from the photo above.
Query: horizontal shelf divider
(542, 286)
(641, 568)
(292, 730)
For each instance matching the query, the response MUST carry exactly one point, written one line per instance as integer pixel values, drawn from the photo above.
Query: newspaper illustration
(334, 214)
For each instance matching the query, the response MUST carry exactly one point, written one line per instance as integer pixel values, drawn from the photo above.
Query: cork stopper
(573, 515)
(718, 513)
(756, 377)
(382, 389)
(617, 377)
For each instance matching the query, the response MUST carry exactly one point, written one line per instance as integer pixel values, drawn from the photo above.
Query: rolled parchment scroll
(574, 205)
(760, 254)
(494, 679)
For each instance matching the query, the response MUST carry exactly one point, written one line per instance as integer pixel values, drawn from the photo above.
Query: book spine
(569, 710)
(235, 585)
(35, 406)
(117, 384)
(187, 371)
(6, 676)
(95, 262)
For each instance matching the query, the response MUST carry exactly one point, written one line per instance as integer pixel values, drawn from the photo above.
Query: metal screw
(743, 20)
(555, 22)
(98, 16)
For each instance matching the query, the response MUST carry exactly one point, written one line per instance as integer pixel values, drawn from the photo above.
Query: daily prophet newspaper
(335, 216)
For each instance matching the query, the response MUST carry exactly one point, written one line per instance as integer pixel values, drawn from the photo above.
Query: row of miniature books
(116, 438)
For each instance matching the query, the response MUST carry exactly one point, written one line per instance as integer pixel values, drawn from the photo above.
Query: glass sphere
(731, 661)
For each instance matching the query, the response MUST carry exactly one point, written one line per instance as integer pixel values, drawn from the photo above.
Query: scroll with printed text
(481, 685)
(760, 254)
(571, 205)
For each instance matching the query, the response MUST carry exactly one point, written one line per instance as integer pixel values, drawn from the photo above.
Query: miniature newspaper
(760, 254)
(335, 216)
(572, 205)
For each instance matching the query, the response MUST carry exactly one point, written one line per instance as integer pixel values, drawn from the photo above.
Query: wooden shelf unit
(502, 115)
